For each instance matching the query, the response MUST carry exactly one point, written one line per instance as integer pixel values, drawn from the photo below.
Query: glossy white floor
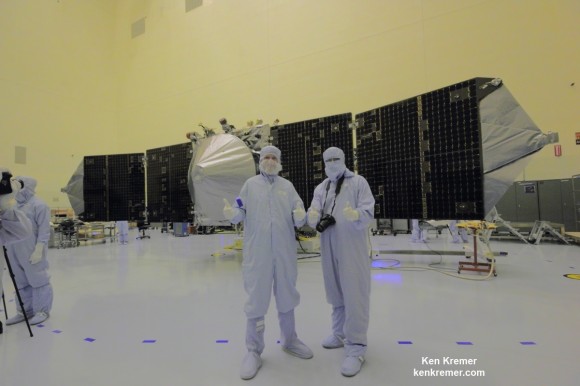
(169, 311)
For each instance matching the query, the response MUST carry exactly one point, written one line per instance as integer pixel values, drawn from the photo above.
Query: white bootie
(250, 365)
(18, 318)
(351, 366)
(333, 341)
(298, 349)
(290, 342)
(38, 318)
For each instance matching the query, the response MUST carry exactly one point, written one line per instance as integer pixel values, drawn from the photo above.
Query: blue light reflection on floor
(386, 276)
(387, 263)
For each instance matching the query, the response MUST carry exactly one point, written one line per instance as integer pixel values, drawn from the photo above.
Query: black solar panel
(422, 156)
(168, 197)
(114, 187)
(302, 145)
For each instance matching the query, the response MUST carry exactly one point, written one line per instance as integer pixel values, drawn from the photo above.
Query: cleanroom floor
(168, 311)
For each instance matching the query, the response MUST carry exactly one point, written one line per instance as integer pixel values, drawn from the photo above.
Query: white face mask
(7, 201)
(334, 169)
(270, 167)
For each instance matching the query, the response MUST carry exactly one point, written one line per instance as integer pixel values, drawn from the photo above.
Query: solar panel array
(422, 156)
(302, 145)
(114, 187)
(168, 197)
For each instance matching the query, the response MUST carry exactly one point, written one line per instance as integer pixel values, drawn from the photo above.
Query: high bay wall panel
(422, 156)
(114, 187)
(168, 197)
(302, 145)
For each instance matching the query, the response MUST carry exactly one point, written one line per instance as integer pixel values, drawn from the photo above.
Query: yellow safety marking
(574, 276)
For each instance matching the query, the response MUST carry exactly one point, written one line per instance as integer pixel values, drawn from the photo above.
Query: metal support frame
(506, 224)
(475, 265)
(542, 227)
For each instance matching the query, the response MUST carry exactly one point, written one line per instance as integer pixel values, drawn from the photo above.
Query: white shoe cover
(333, 341)
(250, 365)
(38, 318)
(351, 366)
(298, 349)
(15, 319)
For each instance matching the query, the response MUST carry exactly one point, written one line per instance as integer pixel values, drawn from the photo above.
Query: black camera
(5, 184)
(326, 221)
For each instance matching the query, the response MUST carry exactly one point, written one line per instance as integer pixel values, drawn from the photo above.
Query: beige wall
(102, 92)
(57, 88)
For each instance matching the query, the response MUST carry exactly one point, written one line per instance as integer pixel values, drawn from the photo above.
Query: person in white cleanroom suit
(270, 208)
(28, 258)
(345, 255)
(14, 225)
(123, 227)
(458, 235)
(418, 235)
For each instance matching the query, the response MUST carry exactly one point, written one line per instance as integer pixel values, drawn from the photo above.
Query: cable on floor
(429, 268)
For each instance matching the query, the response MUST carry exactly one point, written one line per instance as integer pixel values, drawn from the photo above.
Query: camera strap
(336, 191)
